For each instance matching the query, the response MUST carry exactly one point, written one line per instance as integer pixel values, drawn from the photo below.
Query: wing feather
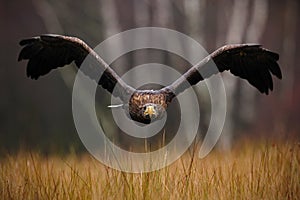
(47, 52)
(247, 61)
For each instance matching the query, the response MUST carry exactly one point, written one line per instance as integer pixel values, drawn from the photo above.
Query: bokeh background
(37, 115)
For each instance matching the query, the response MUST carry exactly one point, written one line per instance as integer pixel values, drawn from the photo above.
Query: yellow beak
(150, 111)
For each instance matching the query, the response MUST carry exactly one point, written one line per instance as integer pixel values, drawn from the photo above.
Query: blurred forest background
(38, 114)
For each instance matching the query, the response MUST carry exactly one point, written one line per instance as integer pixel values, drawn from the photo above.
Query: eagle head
(147, 106)
(150, 112)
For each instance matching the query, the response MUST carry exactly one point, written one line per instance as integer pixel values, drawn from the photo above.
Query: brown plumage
(248, 61)
(142, 98)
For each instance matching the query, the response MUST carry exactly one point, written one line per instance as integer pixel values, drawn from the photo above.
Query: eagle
(247, 61)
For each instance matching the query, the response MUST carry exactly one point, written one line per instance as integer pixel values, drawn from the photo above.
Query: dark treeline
(38, 114)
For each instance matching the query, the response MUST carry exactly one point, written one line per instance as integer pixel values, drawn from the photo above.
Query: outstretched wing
(248, 61)
(47, 52)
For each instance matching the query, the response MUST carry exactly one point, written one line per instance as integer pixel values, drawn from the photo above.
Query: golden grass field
(265, 170)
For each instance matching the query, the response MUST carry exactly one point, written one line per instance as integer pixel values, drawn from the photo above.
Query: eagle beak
(150, 111)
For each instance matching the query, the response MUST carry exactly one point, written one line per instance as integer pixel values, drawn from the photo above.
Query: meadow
(251, 170)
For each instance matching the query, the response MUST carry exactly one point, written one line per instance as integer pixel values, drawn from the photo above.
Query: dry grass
(249, 171)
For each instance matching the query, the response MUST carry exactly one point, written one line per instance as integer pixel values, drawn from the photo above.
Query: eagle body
(141, 99)
(247, 61)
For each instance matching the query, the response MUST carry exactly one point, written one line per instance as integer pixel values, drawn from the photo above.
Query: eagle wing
(248, 61)
(47, 52)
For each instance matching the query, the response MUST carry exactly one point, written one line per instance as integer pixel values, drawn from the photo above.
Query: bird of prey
(247, 61)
